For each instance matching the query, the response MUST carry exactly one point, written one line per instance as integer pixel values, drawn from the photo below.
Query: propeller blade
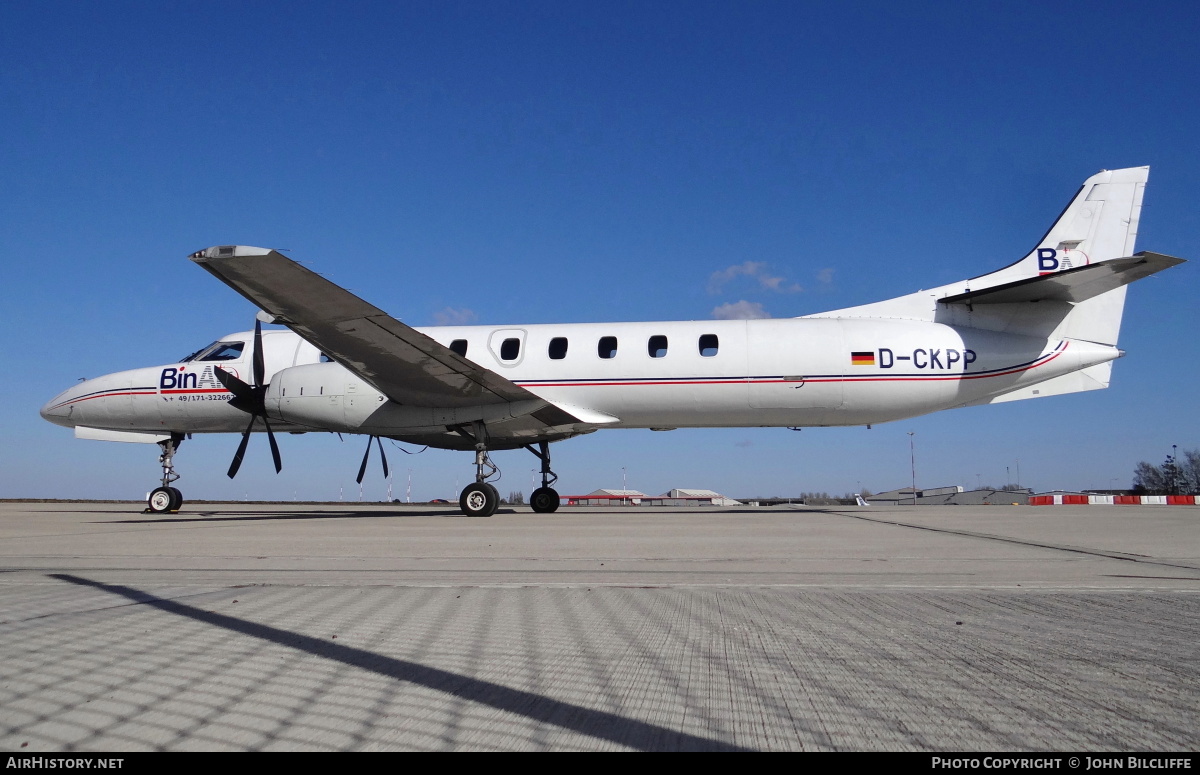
(241, 391)
(241, 451)
(362, 469)
(245, 397)
(381, 455)
(274, 447)
(252, 400)
(260, 368)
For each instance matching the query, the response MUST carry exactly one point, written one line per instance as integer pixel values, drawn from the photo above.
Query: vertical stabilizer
(1100, 223)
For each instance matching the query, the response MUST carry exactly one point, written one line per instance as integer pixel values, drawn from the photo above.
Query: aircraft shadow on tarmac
(604, 725)
(254, 516)
(373, 512)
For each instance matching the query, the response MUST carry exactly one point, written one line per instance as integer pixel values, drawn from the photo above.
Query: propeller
(251, 399)
(362, 469)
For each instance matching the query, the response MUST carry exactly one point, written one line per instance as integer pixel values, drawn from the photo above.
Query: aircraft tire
(544, 500)
(161, 500)
(479, 500)
(178, 498)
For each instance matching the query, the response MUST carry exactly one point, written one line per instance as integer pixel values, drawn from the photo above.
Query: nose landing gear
(166, 498)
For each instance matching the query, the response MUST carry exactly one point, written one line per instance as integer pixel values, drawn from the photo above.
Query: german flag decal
(862, 359)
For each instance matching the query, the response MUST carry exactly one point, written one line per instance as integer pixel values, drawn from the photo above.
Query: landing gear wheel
(479, 500)
(166, 498)
(544, 500)
(163, 500)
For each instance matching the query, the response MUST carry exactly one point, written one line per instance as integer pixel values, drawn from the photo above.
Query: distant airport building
(604, 497)
(676, 497)
(697, 497)
(951, 496)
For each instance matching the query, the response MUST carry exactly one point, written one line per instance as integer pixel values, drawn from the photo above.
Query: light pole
(912, 458)
(624, 489)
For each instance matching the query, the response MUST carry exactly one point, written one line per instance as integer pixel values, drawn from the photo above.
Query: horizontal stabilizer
(1074, 285)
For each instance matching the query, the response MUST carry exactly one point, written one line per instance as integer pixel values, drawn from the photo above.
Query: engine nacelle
(330, 397)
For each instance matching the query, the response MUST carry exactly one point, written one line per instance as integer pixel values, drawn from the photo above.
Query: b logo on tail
(1047, 261)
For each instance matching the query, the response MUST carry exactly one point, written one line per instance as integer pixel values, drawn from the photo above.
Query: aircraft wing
(1075, 285)
(405, 365)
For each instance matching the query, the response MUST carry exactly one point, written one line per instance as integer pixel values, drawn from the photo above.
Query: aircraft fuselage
(799, 372)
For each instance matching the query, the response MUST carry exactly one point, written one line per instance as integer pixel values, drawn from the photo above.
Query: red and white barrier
(1071, 499)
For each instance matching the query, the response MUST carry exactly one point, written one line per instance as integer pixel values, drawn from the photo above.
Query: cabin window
(657, 346)
(459, 346)
(607, 347)
(708, 345)
(223, 351)
(558, 348)
(510, 349)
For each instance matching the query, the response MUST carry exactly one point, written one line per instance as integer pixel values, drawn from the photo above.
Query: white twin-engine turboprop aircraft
(1045, 325)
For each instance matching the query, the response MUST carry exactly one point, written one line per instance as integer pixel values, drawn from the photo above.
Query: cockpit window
(220, 351)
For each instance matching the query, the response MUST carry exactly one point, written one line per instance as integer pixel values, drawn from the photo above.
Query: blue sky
(567, 161)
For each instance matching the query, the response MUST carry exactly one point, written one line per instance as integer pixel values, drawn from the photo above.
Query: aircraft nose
(58, 409)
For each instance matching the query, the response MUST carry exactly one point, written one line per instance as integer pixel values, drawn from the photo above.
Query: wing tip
(228, 251)
(1161, 259)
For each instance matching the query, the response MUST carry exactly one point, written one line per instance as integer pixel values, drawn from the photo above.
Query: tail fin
(1100, 223)
(1078, 272)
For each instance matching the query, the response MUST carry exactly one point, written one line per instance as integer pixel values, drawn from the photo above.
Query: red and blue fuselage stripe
(651, 381)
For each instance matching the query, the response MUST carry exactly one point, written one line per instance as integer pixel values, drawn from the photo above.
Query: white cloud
(756, 270)
(740, 310)
(825, 276)
(455, 317)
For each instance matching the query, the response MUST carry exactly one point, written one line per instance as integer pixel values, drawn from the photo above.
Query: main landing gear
(481, 499)
(166, 498)
(544, 499)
